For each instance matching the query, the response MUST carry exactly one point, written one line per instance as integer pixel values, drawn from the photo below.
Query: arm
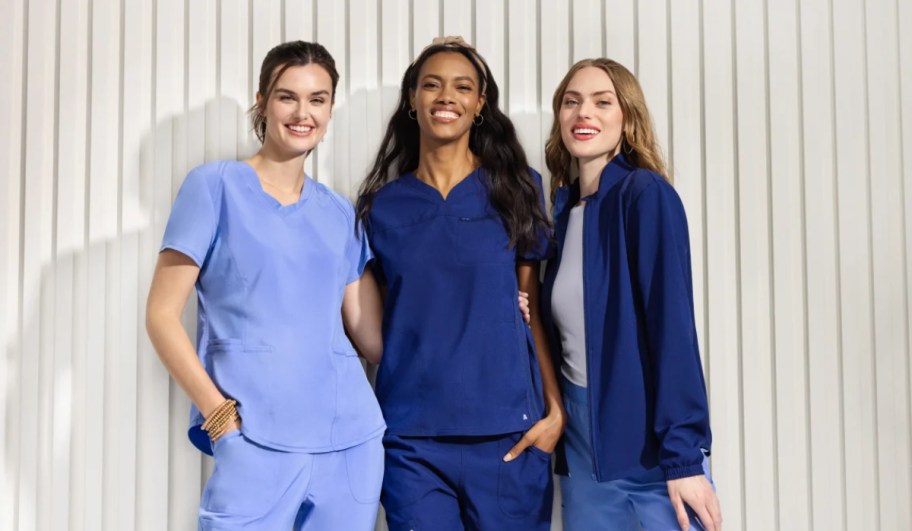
(174, 277)
(546, 432)
(362, 314)
(661, 253)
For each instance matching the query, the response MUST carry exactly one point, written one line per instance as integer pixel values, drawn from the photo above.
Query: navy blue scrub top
(458, 358)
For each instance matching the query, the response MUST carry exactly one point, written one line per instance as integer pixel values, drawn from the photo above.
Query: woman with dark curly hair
(456, 220)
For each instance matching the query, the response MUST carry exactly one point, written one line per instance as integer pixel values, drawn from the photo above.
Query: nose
(445, 95)
(585, 108)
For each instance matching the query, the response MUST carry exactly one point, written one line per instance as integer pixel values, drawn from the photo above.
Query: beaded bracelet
(220, 419)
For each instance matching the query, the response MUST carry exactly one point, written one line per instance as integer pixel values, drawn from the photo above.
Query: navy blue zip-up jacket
(646, 388)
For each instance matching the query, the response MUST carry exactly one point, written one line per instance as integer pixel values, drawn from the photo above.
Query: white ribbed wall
(788, 124)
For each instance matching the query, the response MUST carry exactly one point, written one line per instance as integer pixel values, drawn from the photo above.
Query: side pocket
(364, 466)
(524, 484)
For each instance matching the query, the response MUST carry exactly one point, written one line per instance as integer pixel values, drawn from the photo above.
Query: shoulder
(536, 177)
(642, 185)
(336, 203)
(210, 177)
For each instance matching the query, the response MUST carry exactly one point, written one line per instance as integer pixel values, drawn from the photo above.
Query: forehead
(307, 78)
(448, 65)
(590, 79)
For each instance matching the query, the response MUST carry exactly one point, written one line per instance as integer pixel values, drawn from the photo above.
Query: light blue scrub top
(270, 293)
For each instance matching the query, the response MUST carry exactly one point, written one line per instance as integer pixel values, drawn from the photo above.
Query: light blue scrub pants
(258, 488)
(627, 504)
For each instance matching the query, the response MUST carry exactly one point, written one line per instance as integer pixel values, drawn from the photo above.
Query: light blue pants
(258, 488)
(627, 504)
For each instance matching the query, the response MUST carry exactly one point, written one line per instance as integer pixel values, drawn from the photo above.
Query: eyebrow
(599, 93)
(460, 78)
(293, 93)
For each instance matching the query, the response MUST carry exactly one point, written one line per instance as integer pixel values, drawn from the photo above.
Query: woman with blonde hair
(617, 303)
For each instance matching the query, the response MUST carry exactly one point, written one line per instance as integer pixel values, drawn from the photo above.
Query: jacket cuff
(679, 472)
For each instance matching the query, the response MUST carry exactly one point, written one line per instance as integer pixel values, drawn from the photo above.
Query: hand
(524, 306)
(544, 435)
(699, 495)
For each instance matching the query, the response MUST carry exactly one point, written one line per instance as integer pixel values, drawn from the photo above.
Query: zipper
(587, 328)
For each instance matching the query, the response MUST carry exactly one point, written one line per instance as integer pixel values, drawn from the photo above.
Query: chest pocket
(483, 238)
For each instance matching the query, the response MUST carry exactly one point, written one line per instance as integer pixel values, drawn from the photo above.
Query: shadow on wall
(95, 428)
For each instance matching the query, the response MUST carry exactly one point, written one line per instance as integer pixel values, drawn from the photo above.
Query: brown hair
(276, 62)
(638, 140)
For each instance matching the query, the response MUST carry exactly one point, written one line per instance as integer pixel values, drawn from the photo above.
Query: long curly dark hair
(512, 190)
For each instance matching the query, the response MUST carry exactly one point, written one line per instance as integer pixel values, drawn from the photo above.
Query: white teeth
(586, 131)
(450, 115)
(300, 128)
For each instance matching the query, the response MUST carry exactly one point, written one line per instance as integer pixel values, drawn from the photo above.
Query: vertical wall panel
(854, 208)
(554, 58)
(755, 290)
(723, 344)
(890, 333)
(653, 68)
(620, 32)
(363, 111)
(37, 248)
(457, 18)
(12, 37)
(299, 20)
(72, 86)
(687, 115)
(522, 64)
(490, 39)
(788, 266)
(586, 29)
(823, 296)
(786, 124)
(904, 25)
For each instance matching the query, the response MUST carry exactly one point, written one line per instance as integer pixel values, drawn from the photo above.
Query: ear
(259, 101)
(481, 103)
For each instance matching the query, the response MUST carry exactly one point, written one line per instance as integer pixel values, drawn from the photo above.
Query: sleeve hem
(679, 472)
(184, 251)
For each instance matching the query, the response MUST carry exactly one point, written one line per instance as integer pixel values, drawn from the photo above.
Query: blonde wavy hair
(638, 140)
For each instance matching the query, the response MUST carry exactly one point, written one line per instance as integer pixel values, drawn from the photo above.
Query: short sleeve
(192, 223)
(359, 254)
(544, 245)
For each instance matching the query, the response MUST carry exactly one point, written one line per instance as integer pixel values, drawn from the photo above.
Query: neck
(590, 173)
(444, 165)
(285, 171)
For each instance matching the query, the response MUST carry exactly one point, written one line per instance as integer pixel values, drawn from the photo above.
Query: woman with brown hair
(617, 304)
(279, 395)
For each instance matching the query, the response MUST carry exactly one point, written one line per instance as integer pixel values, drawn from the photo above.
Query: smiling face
(298, 110)
(591, 119)
(446, 97)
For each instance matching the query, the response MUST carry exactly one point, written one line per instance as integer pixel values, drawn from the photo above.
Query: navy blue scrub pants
(462, 483)
(258, 488)
(634, 503)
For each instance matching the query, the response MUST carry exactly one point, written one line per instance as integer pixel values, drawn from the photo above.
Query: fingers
(519, 447)
(680, 511)
(705, 518)
(715, 511)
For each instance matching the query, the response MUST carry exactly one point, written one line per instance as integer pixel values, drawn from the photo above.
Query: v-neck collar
(432, 192)
(253, 183)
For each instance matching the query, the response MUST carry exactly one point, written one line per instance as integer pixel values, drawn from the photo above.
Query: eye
(604, 103)
(570, 102)
(285, 97)
(318, 101)
(429, 85)
(464, 88)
